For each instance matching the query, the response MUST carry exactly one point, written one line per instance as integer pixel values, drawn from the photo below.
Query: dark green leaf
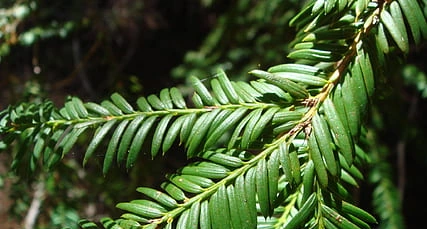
(112, 146)
(127, 137)
(160, 197)
(199, 131)
(113, 109)
(121, 103)
(235, 208)
(173, 191)
(79, 107)
(172, 133)
(142, 210)
(205, 219)
(262, 188)
(166, 99)
(218, 91)
(202, 91)
(228, 87)
(97, 109)
(138, 140)
(158, 135)
(143, 104)
(394, 31)
(99, 135)
(225, 125)
(177, 98)
(155, 102)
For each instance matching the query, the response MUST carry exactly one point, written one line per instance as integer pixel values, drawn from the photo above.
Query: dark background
(91, 49)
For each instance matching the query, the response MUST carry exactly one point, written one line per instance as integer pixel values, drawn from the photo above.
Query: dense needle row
(277, 152)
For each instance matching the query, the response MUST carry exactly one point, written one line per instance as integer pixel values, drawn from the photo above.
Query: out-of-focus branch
(401, 149)
(34, 210)
(81, 72)
(79, 66)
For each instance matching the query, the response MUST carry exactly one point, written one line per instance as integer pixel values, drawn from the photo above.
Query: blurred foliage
(396, 139)
(250, 34)
(415, 77)
(101, 44)
(10, 18)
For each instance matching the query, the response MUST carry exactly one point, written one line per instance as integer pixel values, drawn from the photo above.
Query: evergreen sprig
(277, 152)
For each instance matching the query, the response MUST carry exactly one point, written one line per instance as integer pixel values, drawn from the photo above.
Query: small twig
(34, 210)
(401, 152)
(80, 68)
(80, 65)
